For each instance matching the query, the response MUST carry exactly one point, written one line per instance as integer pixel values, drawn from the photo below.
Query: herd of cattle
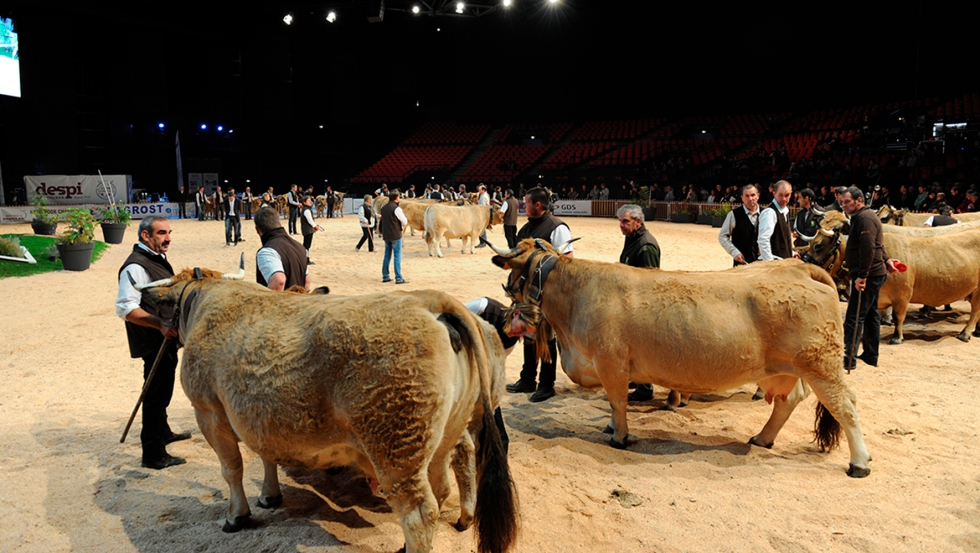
(405, 384)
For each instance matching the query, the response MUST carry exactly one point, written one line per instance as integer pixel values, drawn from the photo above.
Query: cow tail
(427, 224)
(826, 429)
(496, 498)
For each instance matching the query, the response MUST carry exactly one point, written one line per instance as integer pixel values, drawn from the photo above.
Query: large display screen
(9, 59)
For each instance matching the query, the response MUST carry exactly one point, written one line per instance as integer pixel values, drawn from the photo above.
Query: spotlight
(231, 131)
(416, 9)
(704, 132)
(553, 1)
(332, 16)
(507, 3)
(204, 126)
(160, 126)
(459, 7)
(220, 128)
(288, 19)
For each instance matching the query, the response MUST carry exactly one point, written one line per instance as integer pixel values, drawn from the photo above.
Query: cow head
(495, 217)
(888, 214)
(172, 291)
(825, 246)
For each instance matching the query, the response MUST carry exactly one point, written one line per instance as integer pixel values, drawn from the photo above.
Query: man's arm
(270, 265)
(561, 236)
(725, 237)
(308, 216)
(400, 215)
(128, 302)
(767, 224)
(649, 256)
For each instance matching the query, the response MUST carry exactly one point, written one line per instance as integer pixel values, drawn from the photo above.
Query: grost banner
(78, 189)
(22, 214)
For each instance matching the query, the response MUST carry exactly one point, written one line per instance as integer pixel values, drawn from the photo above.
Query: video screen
(9, 59)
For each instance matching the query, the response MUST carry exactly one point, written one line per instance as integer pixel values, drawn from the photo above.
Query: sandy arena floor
(691, 483)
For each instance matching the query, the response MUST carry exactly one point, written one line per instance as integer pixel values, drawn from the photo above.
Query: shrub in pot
(115, 219)
(44, 223)
(75, 243)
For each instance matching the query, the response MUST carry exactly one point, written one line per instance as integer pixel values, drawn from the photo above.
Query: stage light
(288, 19)
(416, 103)
(248, 180)
(160, 125)
(459, 7)
(506, 3)
(332, 16)
(532, 137)
(416, 9)
(704, 132)
(204, 126)
(220, 128)
(553, 1)
(231, 131)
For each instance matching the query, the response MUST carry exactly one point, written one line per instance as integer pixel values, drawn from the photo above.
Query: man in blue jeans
(393, 222)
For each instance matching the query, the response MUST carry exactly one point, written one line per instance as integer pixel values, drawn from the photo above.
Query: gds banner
(571, 208)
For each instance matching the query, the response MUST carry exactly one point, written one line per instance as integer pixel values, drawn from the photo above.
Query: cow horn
(154, 284)
(499, 251)
(240, 275)
(563, 248)
(540, 244)
(817, 211)
(827, 233)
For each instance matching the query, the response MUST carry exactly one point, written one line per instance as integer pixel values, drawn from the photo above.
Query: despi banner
(22, 214)
(78, 189)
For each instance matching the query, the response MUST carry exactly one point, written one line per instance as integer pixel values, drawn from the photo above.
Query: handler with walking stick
(152, 338)
(869, 266)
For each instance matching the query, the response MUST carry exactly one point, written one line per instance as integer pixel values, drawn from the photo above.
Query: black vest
(634, 243)
(542, 227)
(510, 218)
(943, 220)
(144, 340)
(745, 235)
(391, 227)
(781, 241)
(305, 227)
(292, 254)
(494, 314)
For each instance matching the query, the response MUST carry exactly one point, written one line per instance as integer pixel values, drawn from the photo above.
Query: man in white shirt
(775, 237)
(739, 233)
(483, 200)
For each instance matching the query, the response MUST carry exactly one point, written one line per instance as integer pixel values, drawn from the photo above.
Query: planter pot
(44, 229)
(680, 218)
(717, 221)
(704, 219)
(649, 213)
(76, 257)
(113, 232)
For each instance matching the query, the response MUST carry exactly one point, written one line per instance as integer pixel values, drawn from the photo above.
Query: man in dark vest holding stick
(739, 234)
(775, 237)
(146, 329)
(508, 209)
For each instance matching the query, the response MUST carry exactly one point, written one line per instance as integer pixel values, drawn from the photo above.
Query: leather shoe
(163, 462)
(521, 387)
(640, 394)
(542, 394)
(384, 280)
(865, 359)
(401, 282)
(173, 437)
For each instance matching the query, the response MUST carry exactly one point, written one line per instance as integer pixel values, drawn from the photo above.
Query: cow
(282, 205)
(900, 217)
(402, 384)
(943, 267)
(320, 203)
(468, 221)
(777, 324)
(338, 204)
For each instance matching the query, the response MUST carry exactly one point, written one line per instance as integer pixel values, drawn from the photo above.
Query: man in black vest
(639, 250)
(146, 328)
(281, 262)
(292, 198)
(219, 204)
(508, 209)
(739, 233)
(393, 222)
(233, 224)
(182, 198)
(540, 224)
(944, 218)
(247, 199)
(307, 226)
(200, 200)
(805, 226)
(775, 238)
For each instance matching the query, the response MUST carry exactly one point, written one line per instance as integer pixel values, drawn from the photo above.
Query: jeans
(865, 318)
(233, 223)
(390, 247)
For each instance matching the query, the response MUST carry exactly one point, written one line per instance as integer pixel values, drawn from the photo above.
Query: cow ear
(501, 262)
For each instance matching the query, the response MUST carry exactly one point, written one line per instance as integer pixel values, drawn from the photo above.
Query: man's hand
(740, 259)
(890, 264)
(860, 284)
(169, 331)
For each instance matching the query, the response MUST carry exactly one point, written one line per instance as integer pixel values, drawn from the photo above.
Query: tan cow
(777, 324)
(901, 217)
(467, 221)
(320, 203)
(402, 384)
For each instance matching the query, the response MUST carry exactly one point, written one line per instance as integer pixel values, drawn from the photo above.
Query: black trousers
(530, 368)
(247, 209)
(293, 215)
(865, 319)
(182, 210)
(307, 242)
(510, 231)
(366, 236)
(155, 403)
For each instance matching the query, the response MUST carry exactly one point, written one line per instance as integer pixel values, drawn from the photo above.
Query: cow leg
(899, 310)
(418, 509)
(974, 317)
(438, 238)
(271, 493)
(218, 432)
(464, 466)
(840, 402)
(616, 383)
(784, 392)
(676, 399)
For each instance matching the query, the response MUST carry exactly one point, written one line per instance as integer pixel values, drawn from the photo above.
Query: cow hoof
(608, 429)
(759, 394)
(855, 471)
(271, 502)
(230, 527)
(462, 526)
(895, 341)
(617, 445)
(669, 407)
(754, 440)
(963, 337)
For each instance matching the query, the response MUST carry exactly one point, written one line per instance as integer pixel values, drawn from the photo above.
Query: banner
(22, 214)
(180, 165)
(573, 208)
(77, 189)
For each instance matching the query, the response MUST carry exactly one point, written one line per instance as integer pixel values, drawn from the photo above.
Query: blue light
(231, 131)
(220, 128)
(160, 125)
(204, 126)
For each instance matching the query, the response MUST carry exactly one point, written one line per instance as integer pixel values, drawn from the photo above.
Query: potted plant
(683, 213)
(719, 214)
(44, 222)
(705, 215)
(75, 243)
(115, 219)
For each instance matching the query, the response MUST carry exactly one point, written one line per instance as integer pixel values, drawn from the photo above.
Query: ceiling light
(459, 7)
(416, 9)
(288, 19)
(507, 3)
(332, 16)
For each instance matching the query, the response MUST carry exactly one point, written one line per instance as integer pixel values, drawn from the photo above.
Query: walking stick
(857, 326)
(146, 386)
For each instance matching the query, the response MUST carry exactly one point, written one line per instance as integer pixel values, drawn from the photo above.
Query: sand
(690, 482)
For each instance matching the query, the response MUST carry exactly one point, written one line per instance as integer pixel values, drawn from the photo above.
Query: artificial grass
(36, 245)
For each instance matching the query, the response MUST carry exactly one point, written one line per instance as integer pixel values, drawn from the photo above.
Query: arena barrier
(11, 215)
(653, 211)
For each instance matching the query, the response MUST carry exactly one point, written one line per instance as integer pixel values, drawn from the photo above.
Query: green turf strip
(36, 245)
